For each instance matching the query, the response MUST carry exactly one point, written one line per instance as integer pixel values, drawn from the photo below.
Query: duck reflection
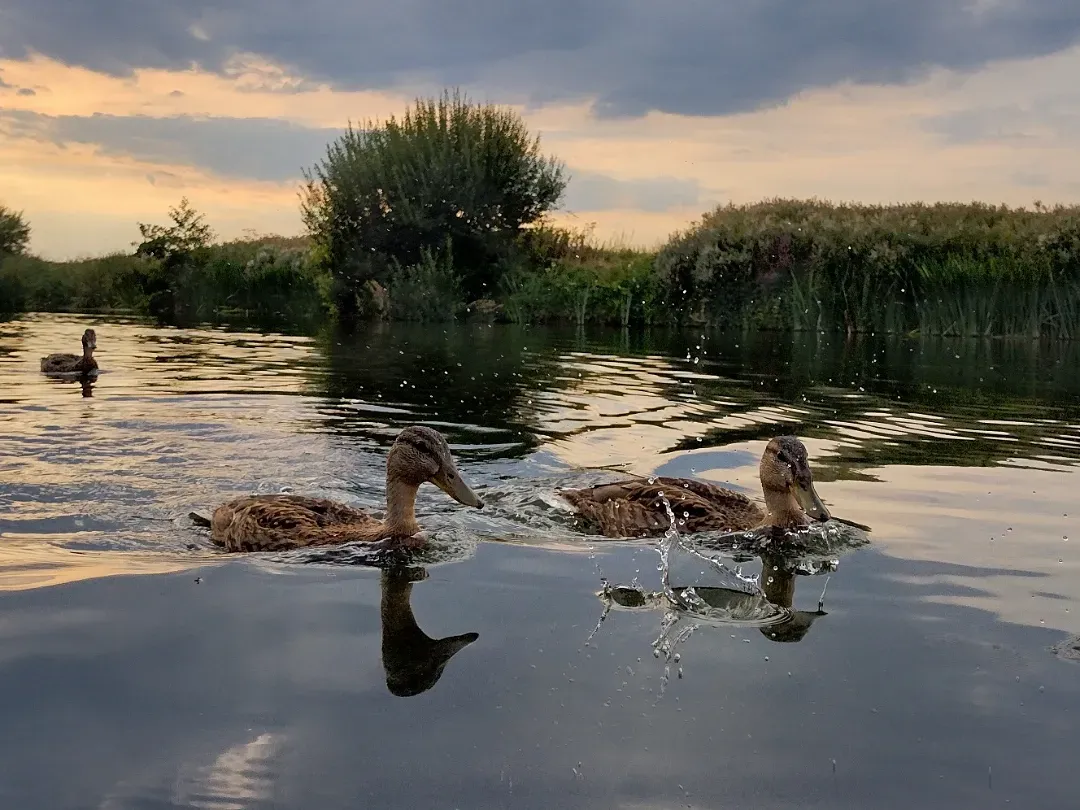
(412, 660)
(769, 609)
(778, 585)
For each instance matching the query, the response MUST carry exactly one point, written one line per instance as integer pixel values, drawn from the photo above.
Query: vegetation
(177, 275)
(14, 233)
(446, 189)
(945, 269)
(445, 214)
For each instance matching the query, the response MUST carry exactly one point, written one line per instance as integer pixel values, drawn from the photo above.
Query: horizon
(659, 116)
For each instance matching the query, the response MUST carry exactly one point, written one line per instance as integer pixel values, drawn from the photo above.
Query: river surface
(518, 663)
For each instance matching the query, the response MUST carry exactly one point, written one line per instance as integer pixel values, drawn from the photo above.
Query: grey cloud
(632, 56)
(594, 192)
(1005, 123)
(26, 91)
(254, 148)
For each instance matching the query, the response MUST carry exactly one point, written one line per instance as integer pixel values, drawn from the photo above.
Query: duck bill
(457, 489)
(809, 500)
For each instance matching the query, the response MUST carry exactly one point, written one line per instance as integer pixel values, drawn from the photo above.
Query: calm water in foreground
(139, 668)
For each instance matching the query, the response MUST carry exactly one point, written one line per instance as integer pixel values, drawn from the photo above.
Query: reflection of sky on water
(183, 418)
(929, 682)
(249, 690)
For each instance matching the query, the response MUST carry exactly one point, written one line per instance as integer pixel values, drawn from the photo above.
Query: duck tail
(199, 520)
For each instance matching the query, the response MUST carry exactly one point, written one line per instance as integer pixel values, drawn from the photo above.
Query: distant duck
(73, 363)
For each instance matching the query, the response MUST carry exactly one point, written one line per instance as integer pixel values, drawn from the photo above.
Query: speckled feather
(634, 509)
(280, 522)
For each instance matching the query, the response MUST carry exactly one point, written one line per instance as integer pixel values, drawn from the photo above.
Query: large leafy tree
(449, 175)
(14, 232)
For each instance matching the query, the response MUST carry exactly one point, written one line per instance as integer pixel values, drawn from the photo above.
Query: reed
(945, 269)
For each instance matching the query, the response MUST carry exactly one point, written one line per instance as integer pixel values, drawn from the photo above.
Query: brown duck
(73, 363)
(279, 522)
(633, 508)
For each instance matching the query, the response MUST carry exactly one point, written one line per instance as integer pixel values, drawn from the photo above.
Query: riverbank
(789, 265)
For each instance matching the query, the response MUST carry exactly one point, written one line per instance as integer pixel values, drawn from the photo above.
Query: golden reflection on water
(180, 419)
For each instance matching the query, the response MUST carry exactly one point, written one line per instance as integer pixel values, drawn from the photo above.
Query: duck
(633, 508)
(72, 363)
(280, 522)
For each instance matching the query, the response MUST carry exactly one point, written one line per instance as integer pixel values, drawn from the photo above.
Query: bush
(429, 290)
(813, 265)
(108, 283)
(567, 277)
(449, 169)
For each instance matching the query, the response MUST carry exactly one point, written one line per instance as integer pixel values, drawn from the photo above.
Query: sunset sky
(111, 110)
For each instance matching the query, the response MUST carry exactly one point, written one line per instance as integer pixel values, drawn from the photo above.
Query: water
(140, 668)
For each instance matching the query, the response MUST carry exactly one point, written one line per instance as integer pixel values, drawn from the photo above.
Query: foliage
(108, 283)
(568, 277)
(179, 248)
(14, 233)
(448, 169)
(429, 290)
(177, 275)
(947, 268)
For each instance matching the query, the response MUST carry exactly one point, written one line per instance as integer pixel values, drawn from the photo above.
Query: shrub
(448, 169)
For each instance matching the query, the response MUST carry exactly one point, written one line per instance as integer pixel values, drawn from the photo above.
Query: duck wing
(279, 522)
(59, 362)
(633, 508)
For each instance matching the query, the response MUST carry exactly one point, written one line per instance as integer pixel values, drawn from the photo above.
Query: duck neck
(400, 504)
(783, 509)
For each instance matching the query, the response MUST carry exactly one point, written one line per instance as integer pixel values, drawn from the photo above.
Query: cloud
(590, 191)
(274, 150)
(630, 57)
(249, 148)
(1008, 123)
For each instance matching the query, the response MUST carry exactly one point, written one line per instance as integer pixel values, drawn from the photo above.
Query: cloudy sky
(111, 110)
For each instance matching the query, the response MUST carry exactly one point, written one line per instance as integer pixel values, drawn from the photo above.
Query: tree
(449, 173)
(187, 233)
(173, 246)
(14, 232)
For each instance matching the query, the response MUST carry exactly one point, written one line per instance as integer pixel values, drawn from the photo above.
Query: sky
(112, 110)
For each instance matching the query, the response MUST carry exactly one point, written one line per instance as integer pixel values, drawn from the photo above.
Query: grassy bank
(945, 269)
(264, 279)
(949, 269)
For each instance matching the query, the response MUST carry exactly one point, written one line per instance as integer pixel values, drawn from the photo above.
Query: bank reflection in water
(412, 660)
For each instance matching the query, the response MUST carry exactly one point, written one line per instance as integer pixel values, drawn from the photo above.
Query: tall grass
(571, 277)
(945, 269)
